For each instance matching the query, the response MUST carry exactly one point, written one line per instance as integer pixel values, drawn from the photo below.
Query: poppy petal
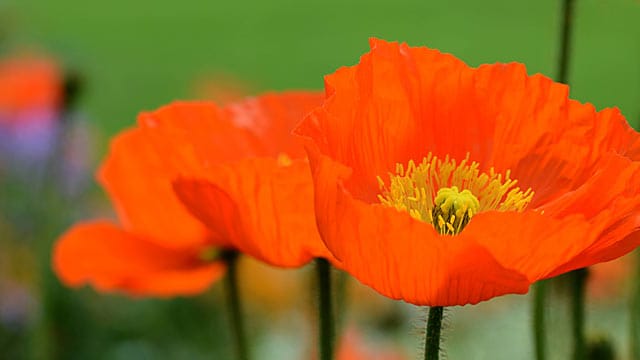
(111, 259)
(610, 197)
(269, 207)
(576, 137)
(190, 134)
(139, 184)
(272, 116)
(373, 118)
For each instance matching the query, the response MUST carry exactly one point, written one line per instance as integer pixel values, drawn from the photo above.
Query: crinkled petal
(272, 117)
(112, 259)
(192, 135)
(377, 113)
(138, 181)
(560, 136)
(609, 199)
(265, 207)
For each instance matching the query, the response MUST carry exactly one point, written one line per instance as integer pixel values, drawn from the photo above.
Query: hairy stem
(432, 339)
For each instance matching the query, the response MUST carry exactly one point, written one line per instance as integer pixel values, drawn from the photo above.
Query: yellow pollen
(448, 194)
(453, 210)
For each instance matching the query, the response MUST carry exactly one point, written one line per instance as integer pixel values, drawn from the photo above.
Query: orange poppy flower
(354, 347)
(442, 184)
(28, 83)
(221, 162)
(30, 99)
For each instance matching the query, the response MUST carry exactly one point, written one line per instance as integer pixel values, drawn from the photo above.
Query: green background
(138, 55)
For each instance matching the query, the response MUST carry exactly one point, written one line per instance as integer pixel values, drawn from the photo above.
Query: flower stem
(432, 339)
(325, 310)
(565, 41)
(539, 319)
(578, 282)
(235, 306)
(566, 29)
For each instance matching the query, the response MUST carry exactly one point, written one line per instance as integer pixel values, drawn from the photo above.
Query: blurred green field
(138, 55)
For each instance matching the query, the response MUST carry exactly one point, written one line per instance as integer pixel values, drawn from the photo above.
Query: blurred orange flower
(221, 88)
(28, 82)
(412, 146)
(31, 90)
(353, 347)
(610, 281)
(223, 164)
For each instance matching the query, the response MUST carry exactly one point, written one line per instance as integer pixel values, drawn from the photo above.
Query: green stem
(540, 289)
(565, 41)
(432, 339)
(235, 306)
(578, 282)
(539, 319)
(325, 310)
(340, 281)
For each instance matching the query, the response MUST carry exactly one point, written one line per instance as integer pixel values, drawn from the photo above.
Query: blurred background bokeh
(117, 58)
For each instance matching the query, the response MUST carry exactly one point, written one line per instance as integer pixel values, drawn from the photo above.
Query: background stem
(325, 310)
(539, 319)
(565, 41)
(578, 282)
(235, 306)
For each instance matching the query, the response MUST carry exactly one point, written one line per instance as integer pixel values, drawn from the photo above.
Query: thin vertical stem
(539, 319)
(565, 41)
(235, 306)
(578, 282)
(432, 339)
(325, 310)
(540, 291)
(578, 277)
(53, 335)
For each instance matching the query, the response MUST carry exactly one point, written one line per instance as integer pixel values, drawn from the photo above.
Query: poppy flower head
(261, 193)
(189, 183)
(412, 146)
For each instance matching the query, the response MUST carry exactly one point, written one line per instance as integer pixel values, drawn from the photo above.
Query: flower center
(453, 209)
(447, 194)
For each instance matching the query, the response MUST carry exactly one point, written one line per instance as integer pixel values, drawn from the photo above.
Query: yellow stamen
(453, 209)
(447, 194)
